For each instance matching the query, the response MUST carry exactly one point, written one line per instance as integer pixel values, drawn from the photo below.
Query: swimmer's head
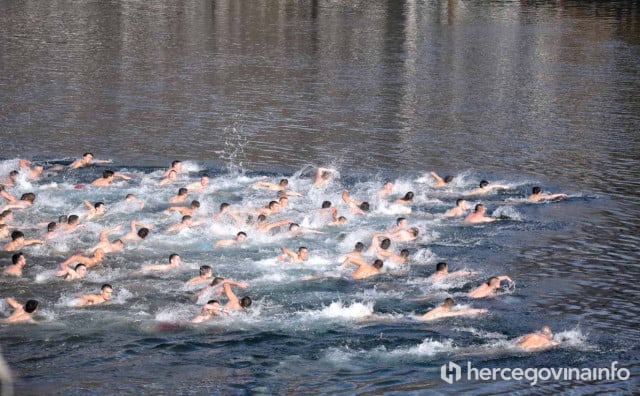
(441, 267)
(106, 174)
(74, 219)
(143, 232)
(183, 191)
(17, 258)
(326, 204)
(448, 179)
(546, 331)
(31, 306)
(460, 202)
(223, 206)
(408, 196)
(29, 197)
(536, 190)
(378, 264)
(241, 236)
(274, 205)
(483, 183)
(294, 227)
(364, 206)
(245, 302)
(414, 231)
(303, 253)
(51, 227)
(216, 281)
(493, 282)
(479, 208)
(174, 258)
(448, 302)
(15, 235)
(205, 270)
(385, 243)
(81, 270)
(404, 253)
(106, 291)
(359, 247)
(283, 182)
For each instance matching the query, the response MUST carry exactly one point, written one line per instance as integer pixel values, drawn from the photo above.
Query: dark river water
(518, 93)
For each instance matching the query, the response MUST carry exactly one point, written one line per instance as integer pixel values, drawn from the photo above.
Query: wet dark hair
(143, 232)
(408, 196)
(414, 231)
(326, 204)
(245, 302)
(16, 257)
(195, 204)
(106, 285)
(293, 225)
(52, 226)
(283, 182)
(73, 219)
(31, 306)
(241, 233)
(448, 302)
(13, 174)
(87, 153)
(400, 219)
(173, 255)
(378, 264)
(404, 253)
(185, 218)
(448, 179)
(483, 183)
(28, 197)
(107, 174)
(385, 243)
(492, 279)
(78, 266)
(213, 302)
(261, 218)
(478, 206)
(441, 266)
(98, 204)
(223, 206)
(183, 191)
(204, 269)
(459, 201)
(63, 219)
(16, 235)
(364, 206)
(536, 190)
(217, 280)
(175, 162)
(359, 247)
(272, 203)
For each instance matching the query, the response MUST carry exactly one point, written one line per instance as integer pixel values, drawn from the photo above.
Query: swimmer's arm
(12, 301)
(33, 242)
(89, 206)
(437, 177)
(105, 233)
(121, 176)
(355, 261)
(504, 277)
(135, 223)
(291, 193)
(289, 252)
(554, 196)
(277, 224)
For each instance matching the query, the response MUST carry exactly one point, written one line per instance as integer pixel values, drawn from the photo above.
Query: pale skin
(105, 244)
(487, 189)
(106, 181)
(488, 289)
(20, 243)
(540, 196)
(323, 175)
(92, 211)
(266, 227)
(438, 181)
(459, 210)
(353, 203)
(171, 177)
(199, 186)
(445, 274)
(537, 341)
(209, 311)
(174, 262)
(234, 302)
(206, 277)
(229, 242)
(478, 216)
(87, 160)
(132, 235)
(16, 269)
(18, 315)
(71, 274)
(364, 269)
(89, 262)
(293, 257)
(445, 311)
(93, 299)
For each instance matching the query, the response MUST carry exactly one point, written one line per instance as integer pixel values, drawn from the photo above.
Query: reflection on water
(522, 93)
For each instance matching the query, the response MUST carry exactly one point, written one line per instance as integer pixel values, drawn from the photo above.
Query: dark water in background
(521, 92)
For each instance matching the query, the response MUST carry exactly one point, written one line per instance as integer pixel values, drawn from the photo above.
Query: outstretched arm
(12, 301)
(104, 234)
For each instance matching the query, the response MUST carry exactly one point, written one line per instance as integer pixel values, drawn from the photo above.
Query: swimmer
(6, 217)
(94, 210)
(446, 310)
(543, 339)
(181, 196)
(4, 231)
(406, 235)
(205, 275)
(210, 310)
(86, 160)
(478, 215)
(183, 210)
(537, 195)
(485, 187)
(105, 244)
(406, 200)
(263, 226)
(294, 257)
(439, 181)
(15, 269)
(216, 284)
(136, 234)
(386, 190)
(176, 166)
(70, 225)
(234, 302)
(10, 181)
(18, 241)
(25, 201)
(356, 206)
(78, 272)
(21, 314)
(106, 291)
(225, 211)
(241, 236)
(489, 287)
(458, 210)
(271, 208)
(365, 269)
(442, 272)
(401, 224)
(108, 176)
(200, 185)
(356, 252)
(322, 177)
(186, 222)
(171, 177)
(296, 230)
(89, 262)
(174, 262)
(132, 199)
